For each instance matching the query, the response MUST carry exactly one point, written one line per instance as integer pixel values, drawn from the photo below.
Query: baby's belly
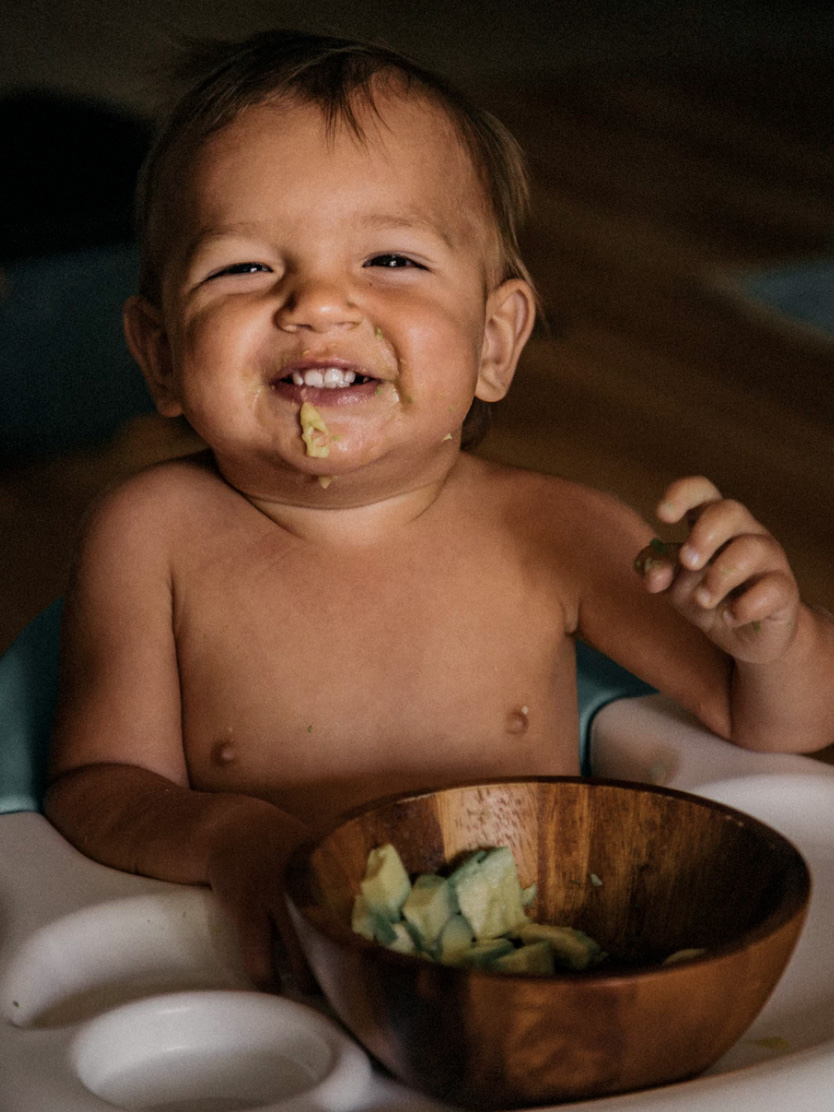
(319, 764)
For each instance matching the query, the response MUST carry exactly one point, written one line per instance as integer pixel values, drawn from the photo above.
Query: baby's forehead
(408, 135)
(379, 121)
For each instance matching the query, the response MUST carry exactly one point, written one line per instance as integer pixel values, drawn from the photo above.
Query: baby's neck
(351, 525)
(352, 509)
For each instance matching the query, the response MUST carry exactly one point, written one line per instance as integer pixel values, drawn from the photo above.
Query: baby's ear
(148, 342)
(510, 314)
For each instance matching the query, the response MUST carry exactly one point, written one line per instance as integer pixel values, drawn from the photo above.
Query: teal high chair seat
(29, 680)
(28, 686)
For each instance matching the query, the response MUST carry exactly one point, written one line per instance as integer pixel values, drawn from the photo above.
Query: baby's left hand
(730, 578)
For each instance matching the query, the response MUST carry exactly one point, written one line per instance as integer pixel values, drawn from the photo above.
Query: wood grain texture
(676, 872)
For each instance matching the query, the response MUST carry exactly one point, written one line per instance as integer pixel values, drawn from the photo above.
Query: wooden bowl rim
(794, 903)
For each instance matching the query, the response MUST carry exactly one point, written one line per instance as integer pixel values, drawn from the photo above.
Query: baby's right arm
(119, 787)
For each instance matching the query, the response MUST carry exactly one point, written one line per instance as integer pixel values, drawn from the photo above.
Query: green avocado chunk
(385, 885)
(430, 904)
(484, 954)
(489, 894)
(571, 948)
(534, 958)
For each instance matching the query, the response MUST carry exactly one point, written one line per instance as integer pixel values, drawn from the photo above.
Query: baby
(334, 602)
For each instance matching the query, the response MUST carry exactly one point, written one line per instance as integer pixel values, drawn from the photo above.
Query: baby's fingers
(717, 525)
(740, 561)
(771, 598)
(686, 497)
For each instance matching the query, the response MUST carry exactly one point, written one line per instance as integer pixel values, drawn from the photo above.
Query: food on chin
(314, 431)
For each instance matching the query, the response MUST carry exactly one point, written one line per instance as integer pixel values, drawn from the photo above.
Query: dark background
(110, 49)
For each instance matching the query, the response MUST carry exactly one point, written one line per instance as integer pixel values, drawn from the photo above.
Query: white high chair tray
(93, 961)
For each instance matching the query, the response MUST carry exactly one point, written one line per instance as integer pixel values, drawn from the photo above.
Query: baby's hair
(338, 76)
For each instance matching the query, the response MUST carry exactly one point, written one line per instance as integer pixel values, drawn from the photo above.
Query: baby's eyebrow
(207, 235)
(407, 222)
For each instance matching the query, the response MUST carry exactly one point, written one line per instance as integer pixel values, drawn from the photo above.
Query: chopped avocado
(385, 885)
(362, 918)
(456, 936)
(402, 942)
(571, 948)
(685, 955)
(536, 957)
(489, 894)
(429, 905)
(473, 918)
(467, 866)
(483, 954)
(384, 931)
(376, 927)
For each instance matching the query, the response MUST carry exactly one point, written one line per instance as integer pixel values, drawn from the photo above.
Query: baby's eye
(241, 268)
(393, 262)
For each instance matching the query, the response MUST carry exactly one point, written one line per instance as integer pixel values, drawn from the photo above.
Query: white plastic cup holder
(219, 1051)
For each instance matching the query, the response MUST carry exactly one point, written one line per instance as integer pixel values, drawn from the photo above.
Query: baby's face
(351, 275)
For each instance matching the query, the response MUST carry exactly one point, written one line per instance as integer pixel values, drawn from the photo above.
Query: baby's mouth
(325, 383)
(327, 378)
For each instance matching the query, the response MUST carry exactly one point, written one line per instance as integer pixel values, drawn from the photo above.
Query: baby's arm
(119, 786)
(732, 580)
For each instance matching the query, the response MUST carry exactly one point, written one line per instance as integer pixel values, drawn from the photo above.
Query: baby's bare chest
(330, 677)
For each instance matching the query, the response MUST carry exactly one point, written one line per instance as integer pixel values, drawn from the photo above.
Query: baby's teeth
(332, 378)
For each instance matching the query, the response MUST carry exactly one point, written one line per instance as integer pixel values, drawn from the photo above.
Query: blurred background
(682, 240)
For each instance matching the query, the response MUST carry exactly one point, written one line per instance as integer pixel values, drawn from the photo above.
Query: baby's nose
(318, 304)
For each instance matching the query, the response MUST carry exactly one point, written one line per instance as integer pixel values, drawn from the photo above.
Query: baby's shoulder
(555, 508)
(154, 504)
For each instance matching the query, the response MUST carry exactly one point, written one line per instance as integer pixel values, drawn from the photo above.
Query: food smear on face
(314, 431)
(325, 481)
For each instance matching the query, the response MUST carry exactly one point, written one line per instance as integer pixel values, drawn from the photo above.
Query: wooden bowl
(676, 871)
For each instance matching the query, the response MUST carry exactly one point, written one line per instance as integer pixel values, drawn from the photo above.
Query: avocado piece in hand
(655, 554)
